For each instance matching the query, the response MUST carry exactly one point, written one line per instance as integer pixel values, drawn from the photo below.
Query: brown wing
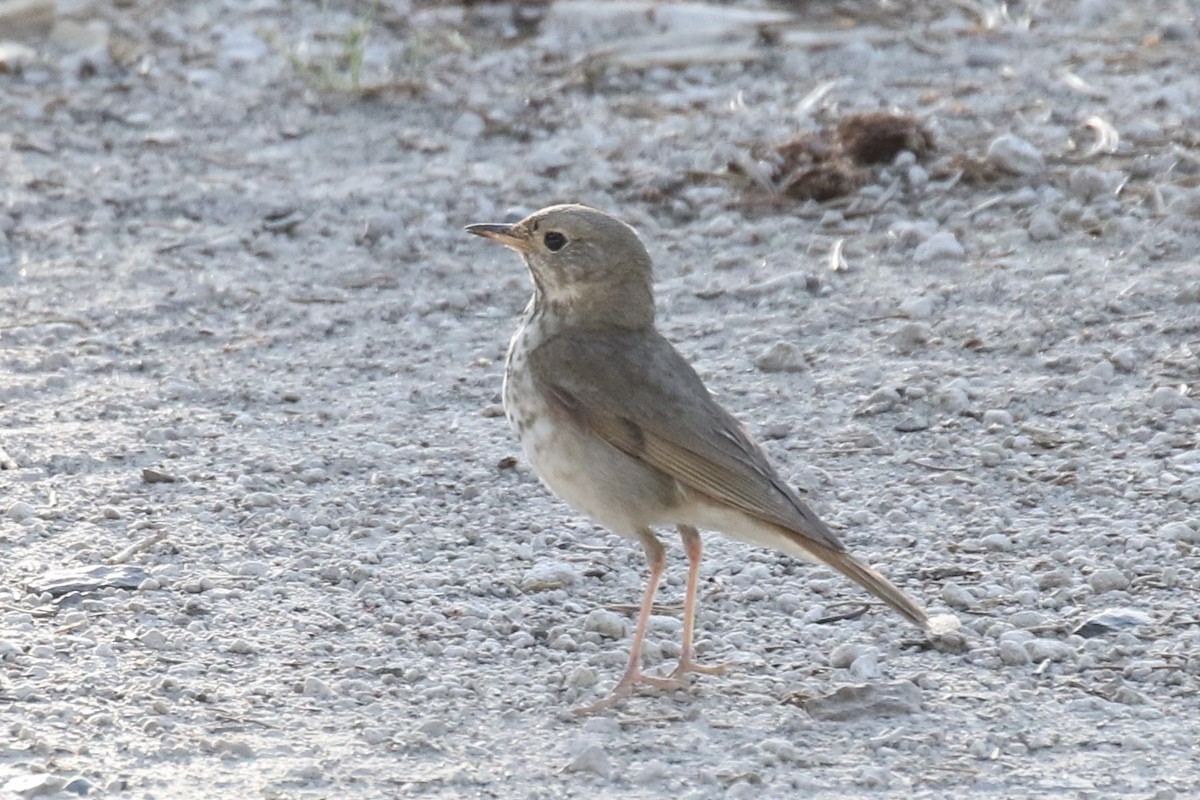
(637, 393)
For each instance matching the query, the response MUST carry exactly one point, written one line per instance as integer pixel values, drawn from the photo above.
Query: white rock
(917, 307)
(1176, 531)
(911, 234)
(606, 623)
(956, 596)
(29, 786)
(1108, 580)
(549, 575)
(469, 125)
(582, 678)
(1125, 359)
(1027, 619)
(154, 640)
(942, 246)
(1047, 649)
(997, 542)
(1043, 226)
(844, 654)
(1168, 398)
(992, 455)
(20, 511)
(315, 687)
(1013, 654)
(866, 667)
(781, 357)
(260, 500)
(1012, 154)
(591, 758)
(997, 416)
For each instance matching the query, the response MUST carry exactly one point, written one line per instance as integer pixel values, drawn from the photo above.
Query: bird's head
(588, 267)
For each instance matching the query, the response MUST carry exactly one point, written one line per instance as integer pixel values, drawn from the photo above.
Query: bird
(616, 422)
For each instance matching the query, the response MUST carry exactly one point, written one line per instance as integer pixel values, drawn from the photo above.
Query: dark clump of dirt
(829, 163)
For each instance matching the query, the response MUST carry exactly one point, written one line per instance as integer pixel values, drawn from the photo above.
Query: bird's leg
(656, 555)
(694, 548)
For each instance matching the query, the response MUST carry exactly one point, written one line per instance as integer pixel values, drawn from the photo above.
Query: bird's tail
(874, 583)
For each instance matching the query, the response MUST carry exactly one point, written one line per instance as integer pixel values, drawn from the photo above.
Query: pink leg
(694, 548)
(656, 555)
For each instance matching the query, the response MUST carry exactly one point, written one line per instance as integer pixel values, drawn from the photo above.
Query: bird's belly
(615, 490)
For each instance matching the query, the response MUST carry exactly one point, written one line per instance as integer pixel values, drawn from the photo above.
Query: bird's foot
(686, 665)
(625, 689)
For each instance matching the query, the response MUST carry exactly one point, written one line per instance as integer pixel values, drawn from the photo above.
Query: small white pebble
(1108, 580)
(1012, 154)
(1027, 619)
(956, 596)
(866, 667)
(376, 735)
(1179, 531)
(996, 542)
(1013, 654)
(549, 575)
(1047, 649)
(20, 511)
(942, 246)
(997, 416)
(591, 758)
(154, 640)
(260, 500)
(315, 687)
(844, 654)
(606, 623)
(582, 678)
(781, 357)
(1169, 399)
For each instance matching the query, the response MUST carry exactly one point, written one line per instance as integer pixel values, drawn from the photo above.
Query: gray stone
(872, 700)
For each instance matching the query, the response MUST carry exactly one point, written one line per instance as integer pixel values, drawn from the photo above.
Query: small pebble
(1013, 654)
(606, 623)
(866, 667)
(20, 511)
(549, 575)
(1108, 580)
(1043, 226)
(997, 542)
(956, 596)
(1027, 619)
(1179, 532)
(844, 654)
(591, 758)
(315, 687)
(942, 246)
(1047, 649)
(918, 307)
(1012, 154)
(154, 640)
(260, 500)
(582, 678)
(1125, 359)
(998, 417)
(781, 357)
(1169, 399)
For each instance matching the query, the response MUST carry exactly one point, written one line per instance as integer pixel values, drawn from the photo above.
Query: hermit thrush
(616, 423)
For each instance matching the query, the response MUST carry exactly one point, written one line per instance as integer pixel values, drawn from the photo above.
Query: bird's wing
(637, 393)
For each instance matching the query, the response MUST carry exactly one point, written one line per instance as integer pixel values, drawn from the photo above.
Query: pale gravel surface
(355, 594)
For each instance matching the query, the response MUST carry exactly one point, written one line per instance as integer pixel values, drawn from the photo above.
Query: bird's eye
(554, 241)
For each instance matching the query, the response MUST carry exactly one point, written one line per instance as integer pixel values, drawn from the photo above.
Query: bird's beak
(504, 234)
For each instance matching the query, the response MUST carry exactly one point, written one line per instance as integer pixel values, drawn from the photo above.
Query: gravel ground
(266, 533)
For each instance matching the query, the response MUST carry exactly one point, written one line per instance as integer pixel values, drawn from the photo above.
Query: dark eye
(554, 241)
